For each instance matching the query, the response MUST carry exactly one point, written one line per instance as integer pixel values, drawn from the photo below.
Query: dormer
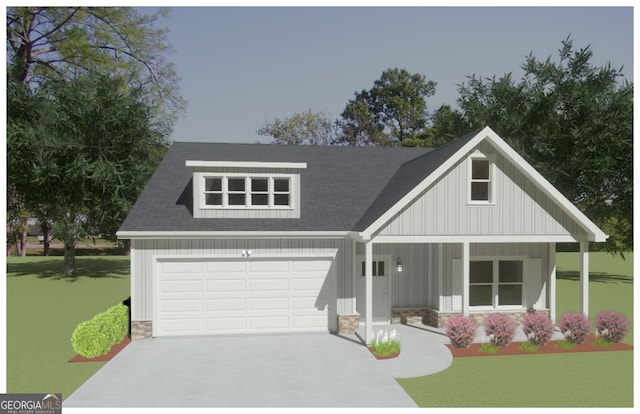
(246, 189)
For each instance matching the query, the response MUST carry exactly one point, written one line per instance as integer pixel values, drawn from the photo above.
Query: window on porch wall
(495, 283)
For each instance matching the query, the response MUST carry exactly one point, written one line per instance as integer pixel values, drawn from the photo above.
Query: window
(260, 192)
(480, 180)
(213, 191)
(281, 192)
(237, 191)
(495, 283)
(378, 268)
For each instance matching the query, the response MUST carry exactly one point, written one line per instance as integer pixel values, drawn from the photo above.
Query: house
(241, 238)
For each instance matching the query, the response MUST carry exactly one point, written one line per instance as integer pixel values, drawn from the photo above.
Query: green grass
(44, 308)
(594, 379)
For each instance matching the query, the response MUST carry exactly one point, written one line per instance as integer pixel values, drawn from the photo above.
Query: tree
(392, 111)
(65, 42)
(87, 157)
(573, 122)
(304, 128)
(445, 124)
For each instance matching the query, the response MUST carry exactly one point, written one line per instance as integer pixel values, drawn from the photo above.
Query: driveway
(284, 370)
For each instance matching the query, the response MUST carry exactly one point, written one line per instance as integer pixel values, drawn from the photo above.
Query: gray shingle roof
(342, 188)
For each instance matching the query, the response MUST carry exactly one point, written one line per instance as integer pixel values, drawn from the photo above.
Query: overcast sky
(241, 67)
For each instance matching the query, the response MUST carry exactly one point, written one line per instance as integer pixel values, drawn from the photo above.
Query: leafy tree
(65, 42)
(392, 111)
(304, 128)
(446, 124)
(87, 156)
(573, 122)
(62, 44)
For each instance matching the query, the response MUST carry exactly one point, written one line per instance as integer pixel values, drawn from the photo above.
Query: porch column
(368, 282)
(465, 278)
(584, 277)
(552, 282)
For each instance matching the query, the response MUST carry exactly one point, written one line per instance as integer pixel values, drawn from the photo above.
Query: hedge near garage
(96, 336)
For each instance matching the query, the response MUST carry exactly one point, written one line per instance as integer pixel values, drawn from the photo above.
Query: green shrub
(120, 319)
(89, 341)
(95, 337)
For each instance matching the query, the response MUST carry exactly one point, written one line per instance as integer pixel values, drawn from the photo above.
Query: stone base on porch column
(348, 324)
(141, 330)
(439, 319)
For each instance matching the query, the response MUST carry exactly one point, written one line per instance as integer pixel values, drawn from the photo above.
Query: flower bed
(385, 345)
(552, 347)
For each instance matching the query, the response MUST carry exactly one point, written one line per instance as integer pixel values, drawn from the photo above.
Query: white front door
(381, 292)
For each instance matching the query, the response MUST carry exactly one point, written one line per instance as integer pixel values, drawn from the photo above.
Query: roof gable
(462, 148)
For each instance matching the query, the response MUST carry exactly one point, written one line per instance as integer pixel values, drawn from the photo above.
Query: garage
(232, 296)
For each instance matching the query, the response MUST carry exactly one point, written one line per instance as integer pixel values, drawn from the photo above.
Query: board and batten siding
(535, 285)
(417, 284)
(519, 207)
(143, 252)
(249, 213)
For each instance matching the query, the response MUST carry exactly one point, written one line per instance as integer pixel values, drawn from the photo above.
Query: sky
(242, 67)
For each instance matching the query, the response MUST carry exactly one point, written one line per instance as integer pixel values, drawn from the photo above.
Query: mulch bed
(114, 350)
(373, 352)
(551, 348)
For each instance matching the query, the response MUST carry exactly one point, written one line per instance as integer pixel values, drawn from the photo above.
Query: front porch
(405, 282)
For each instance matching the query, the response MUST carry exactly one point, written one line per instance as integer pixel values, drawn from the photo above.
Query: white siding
(144, 251)
(417, 284)
(519, 208)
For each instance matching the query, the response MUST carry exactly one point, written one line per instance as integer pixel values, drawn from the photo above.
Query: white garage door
(242, 296)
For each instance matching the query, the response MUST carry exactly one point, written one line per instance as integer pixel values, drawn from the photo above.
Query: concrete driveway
(284, 370)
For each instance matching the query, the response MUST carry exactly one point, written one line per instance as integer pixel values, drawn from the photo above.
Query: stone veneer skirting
(348, 324)
(141, 330)
(408, 315)
(439, 319)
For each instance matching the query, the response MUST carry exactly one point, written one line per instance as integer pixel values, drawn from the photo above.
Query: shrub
(461, 331)
(611, 326)
(575, 327)
(538, 328)
(89, 341)
(500, 328)
(95, 337)
(385, 343)
(119, 321)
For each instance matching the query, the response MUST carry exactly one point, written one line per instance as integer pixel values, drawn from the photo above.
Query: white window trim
(247, 206)
(477, 155)
(495, 283)
(376, 258)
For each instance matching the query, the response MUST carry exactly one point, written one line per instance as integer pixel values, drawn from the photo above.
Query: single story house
(246, 238)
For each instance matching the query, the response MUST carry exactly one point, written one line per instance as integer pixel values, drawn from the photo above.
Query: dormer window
(246, 189)
(240, 191)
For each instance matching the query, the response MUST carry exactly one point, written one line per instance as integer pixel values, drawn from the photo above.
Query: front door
(381, 296)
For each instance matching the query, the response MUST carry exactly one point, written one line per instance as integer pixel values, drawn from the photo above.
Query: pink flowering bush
(575, 327)
(461, 331)
(500, 328)
(611, 326)
(538, 328)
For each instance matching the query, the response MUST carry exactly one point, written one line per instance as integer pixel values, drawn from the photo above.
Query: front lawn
(43, 309)
(596, 379)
